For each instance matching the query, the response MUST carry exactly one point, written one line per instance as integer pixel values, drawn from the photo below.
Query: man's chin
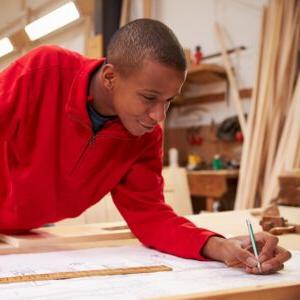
(139, 129)
(136, 131)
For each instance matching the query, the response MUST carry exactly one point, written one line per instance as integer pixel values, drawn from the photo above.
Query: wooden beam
(86, 7)
(229, 51)
(65, 234)
(125, 12)
(287, 290)
(20, 39)
(15, 25)
(148, 9)
(272, 139)
(217, 97)
(232, 80)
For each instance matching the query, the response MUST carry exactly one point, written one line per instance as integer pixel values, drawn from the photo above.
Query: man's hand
(237, 252)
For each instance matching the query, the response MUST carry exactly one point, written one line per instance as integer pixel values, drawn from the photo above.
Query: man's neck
(101, 96)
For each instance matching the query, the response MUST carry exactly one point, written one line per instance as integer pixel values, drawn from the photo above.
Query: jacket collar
(78, 96)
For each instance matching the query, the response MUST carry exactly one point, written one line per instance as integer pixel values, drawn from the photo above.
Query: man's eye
(149, 98)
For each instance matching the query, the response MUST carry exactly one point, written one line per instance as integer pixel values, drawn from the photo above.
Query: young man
(73, 129)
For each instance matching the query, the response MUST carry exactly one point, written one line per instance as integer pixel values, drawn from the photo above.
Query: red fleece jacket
(52, 166)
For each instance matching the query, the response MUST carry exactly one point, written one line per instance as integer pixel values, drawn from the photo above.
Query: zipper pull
(92, 140)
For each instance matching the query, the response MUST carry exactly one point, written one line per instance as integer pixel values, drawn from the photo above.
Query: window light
(5, 46)
(52, 21)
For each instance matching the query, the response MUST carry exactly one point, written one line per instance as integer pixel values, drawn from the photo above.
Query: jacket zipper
(91, 141)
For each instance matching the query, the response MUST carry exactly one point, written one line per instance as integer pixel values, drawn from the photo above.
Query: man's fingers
(264, 270)
(272, 265)
(268, 249)
(282, 254)
(246, 258)
(271, 258)
(279, 254)
(275, 264)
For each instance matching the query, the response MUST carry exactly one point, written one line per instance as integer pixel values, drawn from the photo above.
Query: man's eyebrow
(152, 91)
(159, 93)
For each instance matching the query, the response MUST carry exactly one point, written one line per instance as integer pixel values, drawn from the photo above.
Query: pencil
(253, 242)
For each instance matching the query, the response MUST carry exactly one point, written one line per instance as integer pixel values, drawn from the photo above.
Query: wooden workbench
(230, 223)
(233, 223)
(211, 184)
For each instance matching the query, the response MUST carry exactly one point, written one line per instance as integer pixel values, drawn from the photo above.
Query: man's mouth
(147, 126)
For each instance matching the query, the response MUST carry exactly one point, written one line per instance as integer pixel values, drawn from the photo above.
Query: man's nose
(158, 112)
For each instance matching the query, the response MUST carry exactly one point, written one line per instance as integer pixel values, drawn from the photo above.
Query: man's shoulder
(51, 56)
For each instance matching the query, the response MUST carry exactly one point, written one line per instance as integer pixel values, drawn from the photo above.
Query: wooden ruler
(88, 273)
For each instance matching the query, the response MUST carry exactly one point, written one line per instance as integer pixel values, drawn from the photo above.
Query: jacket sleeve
(139, 198)
(11, 89)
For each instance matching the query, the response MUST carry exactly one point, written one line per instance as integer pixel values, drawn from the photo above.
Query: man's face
(142, 99)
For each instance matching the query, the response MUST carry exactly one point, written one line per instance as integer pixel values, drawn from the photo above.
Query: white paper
(188, 276)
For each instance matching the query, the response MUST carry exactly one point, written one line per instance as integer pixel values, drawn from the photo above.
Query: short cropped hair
(145, 39)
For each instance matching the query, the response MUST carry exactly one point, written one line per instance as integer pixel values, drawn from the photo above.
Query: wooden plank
(86, 7)
(217, 97)
(205, 73)
(20, 39)
(217, 173)
(289, 188)
(147, 9)
(229, 51)
(94, 46)
(254, 161)
(290, 133)
(272, 140)
(240, 199)
(65, 234)
(283, 291)
(125, 12)
(207, 185)
(282, 101)
(86, 273)
(232, 79)
(265, 100)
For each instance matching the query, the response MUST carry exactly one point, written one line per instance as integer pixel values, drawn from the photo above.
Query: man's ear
(108, 76)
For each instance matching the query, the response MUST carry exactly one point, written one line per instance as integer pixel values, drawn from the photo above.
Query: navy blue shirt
(97, 119)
